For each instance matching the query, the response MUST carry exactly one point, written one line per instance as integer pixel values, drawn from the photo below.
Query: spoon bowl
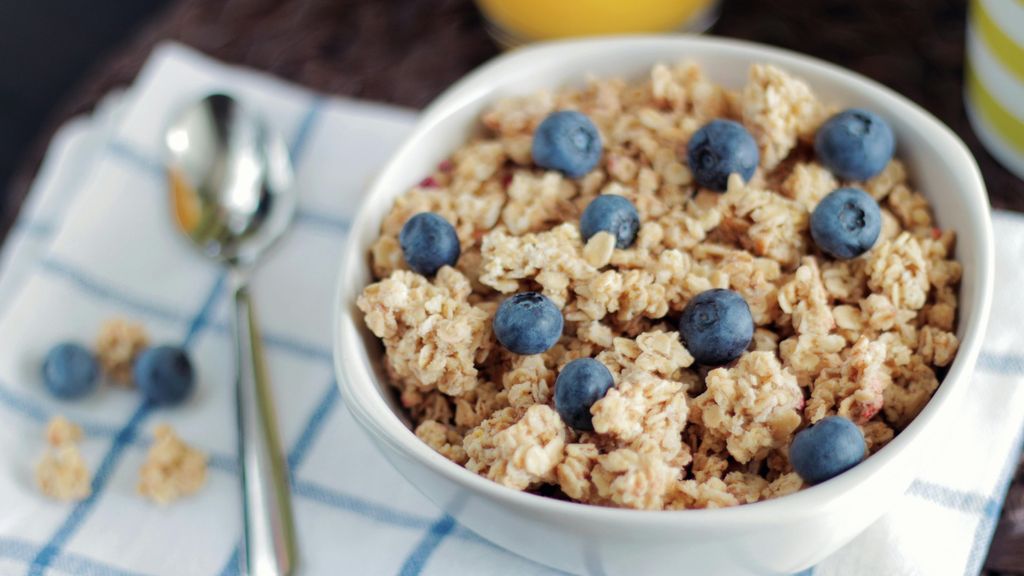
(231, 180)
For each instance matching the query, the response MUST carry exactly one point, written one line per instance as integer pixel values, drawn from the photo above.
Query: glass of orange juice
(514, 22)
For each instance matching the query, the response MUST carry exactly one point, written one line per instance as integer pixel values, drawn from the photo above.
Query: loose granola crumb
(517, 447)
(117, 346)
(61, 474)
(172, 469)
(61, 431)
(753, 406)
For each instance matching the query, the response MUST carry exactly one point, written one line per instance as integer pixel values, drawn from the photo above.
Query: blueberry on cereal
(429, 242)
(567, 141)
(826, 449)
(164, 375)
(70, 371)
(614, 214)
(855, 144)
(581, 383)
(721, 148)
(846, 223)
(528, 323)
(716, 326)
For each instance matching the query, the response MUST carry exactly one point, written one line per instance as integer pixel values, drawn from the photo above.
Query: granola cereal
(61, 473)
(172, 470)
(517, 447)
(117, 345)
(866, 338)
(753, 407)
(61, 431)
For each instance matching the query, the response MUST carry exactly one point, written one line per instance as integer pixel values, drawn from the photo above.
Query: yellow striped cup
(994, 78)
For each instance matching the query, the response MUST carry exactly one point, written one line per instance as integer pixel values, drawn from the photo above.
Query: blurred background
(59, 57)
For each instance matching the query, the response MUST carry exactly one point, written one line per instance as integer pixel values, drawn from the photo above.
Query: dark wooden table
(408, 51)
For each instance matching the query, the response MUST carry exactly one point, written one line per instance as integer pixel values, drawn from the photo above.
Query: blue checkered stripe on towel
(40, 558)
(203, 324)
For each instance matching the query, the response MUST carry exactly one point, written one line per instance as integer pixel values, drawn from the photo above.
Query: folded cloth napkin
(95, 242)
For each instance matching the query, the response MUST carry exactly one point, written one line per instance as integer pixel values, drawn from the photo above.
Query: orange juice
(525, 20)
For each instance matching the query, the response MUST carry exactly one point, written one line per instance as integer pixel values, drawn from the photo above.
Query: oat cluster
(61, 473)
(865, 338)
(173, 469)
(117, 346)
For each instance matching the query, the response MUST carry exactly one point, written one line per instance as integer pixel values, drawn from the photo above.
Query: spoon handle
(268, 545)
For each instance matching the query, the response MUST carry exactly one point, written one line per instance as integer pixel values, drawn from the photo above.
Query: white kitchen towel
(95, 242)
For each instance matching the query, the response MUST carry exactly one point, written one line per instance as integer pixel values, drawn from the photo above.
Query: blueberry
(429, 242)
(721, 148)
(716, 326)
(855, 144)
(826, 449)
(164, 375)
(846, 223)
(70, 370)
(528, 323)
(567, 141)
(611, 213)
(581, 383)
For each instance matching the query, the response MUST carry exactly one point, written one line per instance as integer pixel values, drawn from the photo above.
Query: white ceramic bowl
(778, 536)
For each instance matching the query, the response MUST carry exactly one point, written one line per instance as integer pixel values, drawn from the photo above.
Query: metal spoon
(231, 189)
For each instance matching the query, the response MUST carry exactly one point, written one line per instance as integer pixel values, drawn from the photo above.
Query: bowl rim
(355, 377)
